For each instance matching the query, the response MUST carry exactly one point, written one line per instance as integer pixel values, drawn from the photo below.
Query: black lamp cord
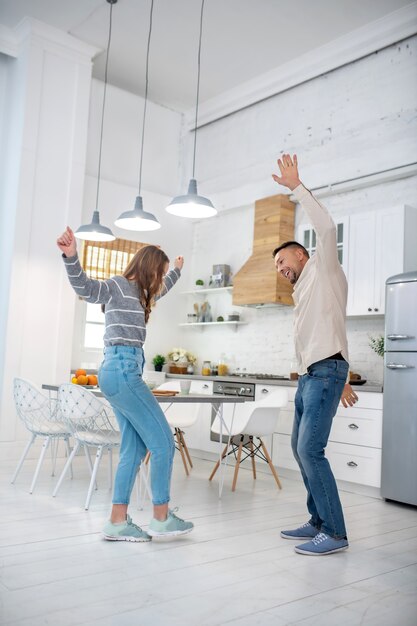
(146, 96)
(104, 103)
(198, 84)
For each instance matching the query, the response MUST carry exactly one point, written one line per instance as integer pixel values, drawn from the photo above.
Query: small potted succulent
(199, 283)
(158, 362)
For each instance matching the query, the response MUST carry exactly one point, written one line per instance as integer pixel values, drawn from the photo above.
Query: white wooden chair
(252, 420)
(180, 417)
(41, 417)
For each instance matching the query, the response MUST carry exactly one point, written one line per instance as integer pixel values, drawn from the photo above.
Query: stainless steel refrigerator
(399, 426)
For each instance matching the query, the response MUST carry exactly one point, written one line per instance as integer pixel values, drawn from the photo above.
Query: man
(320, 295)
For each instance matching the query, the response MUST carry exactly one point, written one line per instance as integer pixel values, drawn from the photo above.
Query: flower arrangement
(179, 356)
(377, 344)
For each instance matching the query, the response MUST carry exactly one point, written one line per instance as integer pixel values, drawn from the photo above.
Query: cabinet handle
(265, 391)
(399, 366)
(352, 464)
(205, 386)
(353, 426)
(376, 310)
(395, 337)
(369, 309)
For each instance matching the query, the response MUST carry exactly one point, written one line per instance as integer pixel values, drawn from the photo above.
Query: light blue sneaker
(173, 525)
(322, 544)
(127, 531)
(306, 531)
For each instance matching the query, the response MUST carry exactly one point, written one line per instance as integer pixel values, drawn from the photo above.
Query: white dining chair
(87, 417)
(180, 417)
(251, 421)
(41, 417)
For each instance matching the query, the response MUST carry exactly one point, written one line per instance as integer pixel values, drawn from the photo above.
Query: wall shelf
(208, 290)
(203, 324)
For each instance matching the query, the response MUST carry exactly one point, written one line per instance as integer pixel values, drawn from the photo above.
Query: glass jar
(206, 369)
(222, 367)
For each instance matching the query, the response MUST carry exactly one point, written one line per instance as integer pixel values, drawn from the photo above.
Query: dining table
(217, 401)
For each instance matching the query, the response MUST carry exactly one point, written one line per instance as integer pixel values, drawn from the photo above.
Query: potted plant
(199, 283)
(377, 344)
(158, 362)
(180, 359)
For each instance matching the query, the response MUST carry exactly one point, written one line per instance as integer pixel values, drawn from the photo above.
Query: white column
(46, 137)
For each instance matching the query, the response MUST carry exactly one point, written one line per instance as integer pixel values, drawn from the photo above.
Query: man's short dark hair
(291, 244)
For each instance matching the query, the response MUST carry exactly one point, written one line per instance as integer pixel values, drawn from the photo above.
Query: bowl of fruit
(90, 381)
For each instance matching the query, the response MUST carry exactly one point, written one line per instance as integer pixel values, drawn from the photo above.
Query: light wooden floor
(233, 569)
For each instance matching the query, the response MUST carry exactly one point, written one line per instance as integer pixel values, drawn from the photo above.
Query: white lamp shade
(95, 231)
(191, 204)
(137, 219)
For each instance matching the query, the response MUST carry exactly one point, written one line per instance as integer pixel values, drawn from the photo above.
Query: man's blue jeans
(316, 403)
(142, 423)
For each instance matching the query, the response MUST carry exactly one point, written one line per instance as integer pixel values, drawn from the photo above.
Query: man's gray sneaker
(127, 531)
(322, 544)
(306, 531)
(172, 526)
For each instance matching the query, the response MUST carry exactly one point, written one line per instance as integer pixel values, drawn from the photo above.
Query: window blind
(103, 259)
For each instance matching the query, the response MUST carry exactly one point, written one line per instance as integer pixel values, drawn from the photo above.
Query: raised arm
(91, 290)
(320, 219)
(172, 276)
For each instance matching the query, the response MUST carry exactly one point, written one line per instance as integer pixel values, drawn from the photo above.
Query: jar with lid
(206, 369)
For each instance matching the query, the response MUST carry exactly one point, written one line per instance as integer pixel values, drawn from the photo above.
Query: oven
(230, 388)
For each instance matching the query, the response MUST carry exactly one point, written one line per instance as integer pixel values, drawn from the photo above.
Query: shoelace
(130, 523)
(173, 511)
(319, 538)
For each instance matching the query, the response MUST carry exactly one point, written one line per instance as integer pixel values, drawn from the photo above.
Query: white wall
(47, 96)
(356, 120)
(118, 189)
(122, 139)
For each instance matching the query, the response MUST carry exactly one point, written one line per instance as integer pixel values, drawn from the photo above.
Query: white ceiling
(242, 39)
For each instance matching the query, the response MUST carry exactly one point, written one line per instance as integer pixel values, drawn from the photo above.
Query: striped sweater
(124, 314)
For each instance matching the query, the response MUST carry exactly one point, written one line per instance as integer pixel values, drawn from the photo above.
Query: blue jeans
(143, 425)
(316, 403)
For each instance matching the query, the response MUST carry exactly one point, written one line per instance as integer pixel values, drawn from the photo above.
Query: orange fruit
(92, 379)
(80, 373)
(82, 380)
(74, 380)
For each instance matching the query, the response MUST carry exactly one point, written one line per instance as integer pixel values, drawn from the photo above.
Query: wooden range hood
(257, 282)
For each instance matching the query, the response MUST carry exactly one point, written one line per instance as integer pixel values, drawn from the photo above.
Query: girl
(127, 301)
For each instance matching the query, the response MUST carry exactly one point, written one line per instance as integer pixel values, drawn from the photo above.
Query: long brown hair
(147, 269)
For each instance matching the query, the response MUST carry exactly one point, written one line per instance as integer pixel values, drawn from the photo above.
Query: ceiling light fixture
(137, 218)
(95, 231)
(191, 204)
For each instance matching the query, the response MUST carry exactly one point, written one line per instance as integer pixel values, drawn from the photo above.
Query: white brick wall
(353, 121)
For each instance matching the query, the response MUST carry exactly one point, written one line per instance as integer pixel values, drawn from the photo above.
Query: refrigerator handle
(399, 366)
(396, 337)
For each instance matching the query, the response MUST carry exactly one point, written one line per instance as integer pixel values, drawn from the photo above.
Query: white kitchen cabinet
(381, 244)
(354, 448)
(307, 237)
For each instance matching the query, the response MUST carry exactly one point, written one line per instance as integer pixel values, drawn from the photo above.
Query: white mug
(185, 386)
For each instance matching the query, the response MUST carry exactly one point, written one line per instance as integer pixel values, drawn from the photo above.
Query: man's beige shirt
(320, 294)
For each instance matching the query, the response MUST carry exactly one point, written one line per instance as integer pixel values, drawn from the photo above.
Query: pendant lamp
(191, 204)
(96, 231)
(137, 218)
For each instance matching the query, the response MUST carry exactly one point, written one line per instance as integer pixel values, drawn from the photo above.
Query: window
(102, 260)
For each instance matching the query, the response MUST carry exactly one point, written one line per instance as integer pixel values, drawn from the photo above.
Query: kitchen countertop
(368, 386)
